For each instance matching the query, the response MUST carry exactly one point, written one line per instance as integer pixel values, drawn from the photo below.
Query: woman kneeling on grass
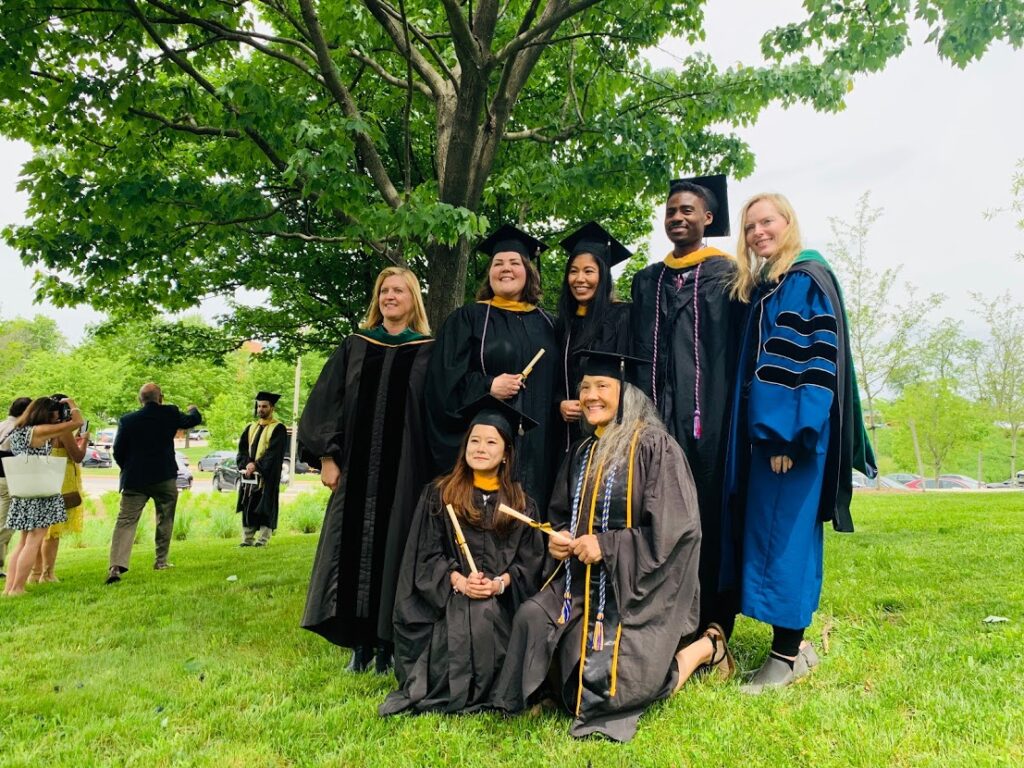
(452, 619)
(606, 631)
(796, 434)
(32, 435)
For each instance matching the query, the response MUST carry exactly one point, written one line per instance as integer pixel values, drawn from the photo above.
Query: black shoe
(362, 655)
(113, 575)
(383, 661)
(3, 575)
(247, 544)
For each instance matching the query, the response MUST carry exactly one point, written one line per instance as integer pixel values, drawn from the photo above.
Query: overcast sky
(935, 146)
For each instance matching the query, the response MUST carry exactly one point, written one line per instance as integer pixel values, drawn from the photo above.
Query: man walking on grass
(144, 450)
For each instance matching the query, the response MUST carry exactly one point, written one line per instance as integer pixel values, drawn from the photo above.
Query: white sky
(936, 147)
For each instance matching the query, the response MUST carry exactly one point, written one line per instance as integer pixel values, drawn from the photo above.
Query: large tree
(294, 147)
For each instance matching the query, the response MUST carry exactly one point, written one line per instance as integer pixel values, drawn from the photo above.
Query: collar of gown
(692, 259)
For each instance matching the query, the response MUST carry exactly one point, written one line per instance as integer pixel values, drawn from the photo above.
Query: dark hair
(567, 304)
(705, 194)
(37, 412)
(456, 487)
(531, 291)
(18, 406)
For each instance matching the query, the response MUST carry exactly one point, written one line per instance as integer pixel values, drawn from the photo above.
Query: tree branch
(205, 84)
(467, 47)
(547, 22)
(388, 17)
(198, 130)
(386, 76)
(371, 158)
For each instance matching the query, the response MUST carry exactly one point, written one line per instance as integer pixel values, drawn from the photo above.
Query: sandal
(722, 662)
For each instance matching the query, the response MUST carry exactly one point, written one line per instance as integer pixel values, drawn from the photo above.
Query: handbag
(34, 476)
(73, 498)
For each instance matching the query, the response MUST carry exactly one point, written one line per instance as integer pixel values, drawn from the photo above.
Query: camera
(63, 410)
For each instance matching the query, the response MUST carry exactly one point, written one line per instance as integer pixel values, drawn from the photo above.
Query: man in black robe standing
(685, 323)
(260, 456)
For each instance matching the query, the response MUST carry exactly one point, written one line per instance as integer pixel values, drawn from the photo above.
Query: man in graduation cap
(260, 456)
(589, 314)
(684, 322)
(486, 347)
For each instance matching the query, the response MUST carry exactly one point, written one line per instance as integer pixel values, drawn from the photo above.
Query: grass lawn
(184, 667)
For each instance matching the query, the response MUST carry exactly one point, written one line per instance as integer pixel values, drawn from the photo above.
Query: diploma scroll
(460, 539)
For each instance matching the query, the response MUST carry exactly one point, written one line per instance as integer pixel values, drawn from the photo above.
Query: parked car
(184, 479)
(181, 458)
(963, 481)
(944, 483)
(104, 438)
(211, 461)
(226, 476)
(860, 480)
(904, 477)
(199, 434)
(97, 458)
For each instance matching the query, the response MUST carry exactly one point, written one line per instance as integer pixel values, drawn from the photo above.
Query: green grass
(184, 667)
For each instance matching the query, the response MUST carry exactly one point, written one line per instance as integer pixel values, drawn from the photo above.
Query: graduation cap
(509, 238)
(614, 365)
(594, 239)
(717, 198)
(497, 413)
(263, 395)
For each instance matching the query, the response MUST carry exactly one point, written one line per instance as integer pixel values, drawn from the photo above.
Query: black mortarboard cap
(509, 238)
(625, 368)
(717, 186)
(594, 239)
(270, 397)
(497, 413)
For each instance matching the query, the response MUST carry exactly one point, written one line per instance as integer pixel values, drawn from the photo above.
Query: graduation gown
(260, 505)
(476, 343)
(684, 320)
(366, 412)
(611, 334)
(645, 604)
(449, 648)
(798, 399)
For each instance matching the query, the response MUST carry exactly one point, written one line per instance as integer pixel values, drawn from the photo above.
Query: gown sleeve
(431, 559)
(454, 379)
(321, 425)
(525, 569)
(242, 457)
(663, 546)
(794, 380)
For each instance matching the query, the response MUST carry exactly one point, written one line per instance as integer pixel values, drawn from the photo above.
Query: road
(96, 485)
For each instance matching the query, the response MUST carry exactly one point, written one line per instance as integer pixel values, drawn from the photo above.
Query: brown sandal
(724, 665)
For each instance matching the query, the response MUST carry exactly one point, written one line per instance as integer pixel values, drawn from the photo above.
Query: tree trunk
(446, 281)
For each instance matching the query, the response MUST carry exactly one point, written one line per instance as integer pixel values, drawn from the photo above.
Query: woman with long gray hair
(606, 629)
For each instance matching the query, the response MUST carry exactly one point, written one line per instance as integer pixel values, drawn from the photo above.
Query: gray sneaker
(810, 656)
(775, 673)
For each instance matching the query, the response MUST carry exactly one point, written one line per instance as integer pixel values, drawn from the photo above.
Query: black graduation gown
(478, 342)
(260, 506)
(610, 335)
(449, 648)
(366, 411)
(650, 554)
(671, 381)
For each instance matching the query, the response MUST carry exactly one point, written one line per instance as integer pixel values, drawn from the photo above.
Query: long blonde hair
(749, 264)
(418, 321)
